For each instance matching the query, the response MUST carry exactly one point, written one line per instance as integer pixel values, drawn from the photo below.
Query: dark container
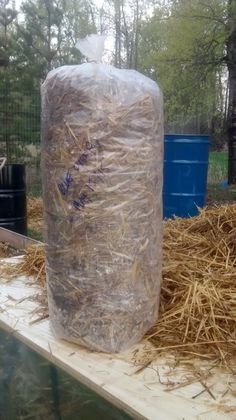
(13, 210)
(185, 174)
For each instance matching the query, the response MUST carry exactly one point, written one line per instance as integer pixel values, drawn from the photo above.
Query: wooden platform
(156, 392)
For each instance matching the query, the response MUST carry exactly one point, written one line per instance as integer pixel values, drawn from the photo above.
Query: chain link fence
(20, 133)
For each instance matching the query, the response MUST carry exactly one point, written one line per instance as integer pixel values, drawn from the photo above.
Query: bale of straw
(102, 178)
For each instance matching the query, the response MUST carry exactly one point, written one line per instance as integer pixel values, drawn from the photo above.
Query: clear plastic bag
(102, 165)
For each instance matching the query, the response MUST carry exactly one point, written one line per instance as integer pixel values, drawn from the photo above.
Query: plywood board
(16, 240)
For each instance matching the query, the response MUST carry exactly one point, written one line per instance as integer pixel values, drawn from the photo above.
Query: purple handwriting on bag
(81, 161)
(83, 199)
(80, 202)
(96, 177)
(65, 184)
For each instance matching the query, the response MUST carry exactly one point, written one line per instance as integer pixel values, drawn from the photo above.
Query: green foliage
(44, 39)
(181, 44)
(7, 17)
(183, 48)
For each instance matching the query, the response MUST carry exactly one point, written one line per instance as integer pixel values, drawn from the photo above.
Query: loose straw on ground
(198, 298)
(4, 250)
(7, 251)
(35, 212)
(31, 265)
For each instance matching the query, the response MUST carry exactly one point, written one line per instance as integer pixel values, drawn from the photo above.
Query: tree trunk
(117, 34)
(231, 120)
(136, 35)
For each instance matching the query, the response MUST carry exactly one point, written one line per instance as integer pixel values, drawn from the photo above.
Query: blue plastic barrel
(185, 174)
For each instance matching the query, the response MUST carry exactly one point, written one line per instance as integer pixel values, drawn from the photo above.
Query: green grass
(35, 190)
(218, 195)
(35, 234)
(218, 164)
(218, 172)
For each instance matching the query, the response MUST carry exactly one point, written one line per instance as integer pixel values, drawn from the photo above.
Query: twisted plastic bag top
(102, 180)
(92, 47)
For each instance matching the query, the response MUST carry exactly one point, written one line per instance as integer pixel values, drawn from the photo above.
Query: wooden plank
(16, 240)
(141, 395)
